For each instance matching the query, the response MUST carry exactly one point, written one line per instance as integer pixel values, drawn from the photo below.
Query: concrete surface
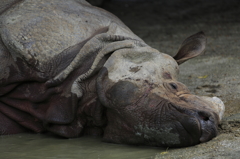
(164, 24)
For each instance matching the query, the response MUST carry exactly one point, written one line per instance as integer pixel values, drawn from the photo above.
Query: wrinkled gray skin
(71, 69)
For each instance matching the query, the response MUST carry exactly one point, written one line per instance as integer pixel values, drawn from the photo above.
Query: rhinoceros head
(147, 105)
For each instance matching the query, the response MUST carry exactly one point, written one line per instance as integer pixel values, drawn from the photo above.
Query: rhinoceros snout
(208, 121)
(208, 126)
(203, 114)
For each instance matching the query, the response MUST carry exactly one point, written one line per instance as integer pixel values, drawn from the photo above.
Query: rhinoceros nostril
(204, 116)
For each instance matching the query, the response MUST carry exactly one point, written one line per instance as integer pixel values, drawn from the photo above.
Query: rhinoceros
(73, 69)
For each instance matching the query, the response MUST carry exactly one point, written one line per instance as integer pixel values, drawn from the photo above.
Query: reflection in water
(34, 146)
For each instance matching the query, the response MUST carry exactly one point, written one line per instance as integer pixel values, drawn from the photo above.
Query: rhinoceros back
(39, 30)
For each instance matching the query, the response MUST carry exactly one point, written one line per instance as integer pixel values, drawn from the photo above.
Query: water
(34, 146)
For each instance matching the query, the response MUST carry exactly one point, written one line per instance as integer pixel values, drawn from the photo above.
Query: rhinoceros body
(72, 69)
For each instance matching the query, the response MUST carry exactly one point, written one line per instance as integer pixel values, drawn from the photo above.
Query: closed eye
(173, 85)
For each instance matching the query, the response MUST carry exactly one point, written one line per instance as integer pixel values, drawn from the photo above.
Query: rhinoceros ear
(191, 47)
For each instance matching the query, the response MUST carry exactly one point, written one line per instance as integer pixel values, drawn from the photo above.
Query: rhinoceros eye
(174, 86)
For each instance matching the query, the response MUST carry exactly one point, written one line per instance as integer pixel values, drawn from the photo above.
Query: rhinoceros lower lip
(203, 130)
(200, 125)
(208, 129)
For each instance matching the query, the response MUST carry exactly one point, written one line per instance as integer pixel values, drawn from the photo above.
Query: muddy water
(34, 146)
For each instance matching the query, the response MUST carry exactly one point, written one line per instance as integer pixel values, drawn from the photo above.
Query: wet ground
(164, 24)
(36, 146)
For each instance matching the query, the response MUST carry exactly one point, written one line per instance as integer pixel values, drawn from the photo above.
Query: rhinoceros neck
(91, 108)
(90, 104)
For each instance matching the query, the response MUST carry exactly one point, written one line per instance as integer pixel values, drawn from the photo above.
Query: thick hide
(71, 69)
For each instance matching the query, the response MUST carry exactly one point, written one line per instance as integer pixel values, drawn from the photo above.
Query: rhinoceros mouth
(201, 126)
(208, 126)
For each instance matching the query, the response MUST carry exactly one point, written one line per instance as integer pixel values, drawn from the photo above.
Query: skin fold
(73, 69)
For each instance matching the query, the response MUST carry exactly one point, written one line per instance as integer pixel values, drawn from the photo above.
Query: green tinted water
(34, 146)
